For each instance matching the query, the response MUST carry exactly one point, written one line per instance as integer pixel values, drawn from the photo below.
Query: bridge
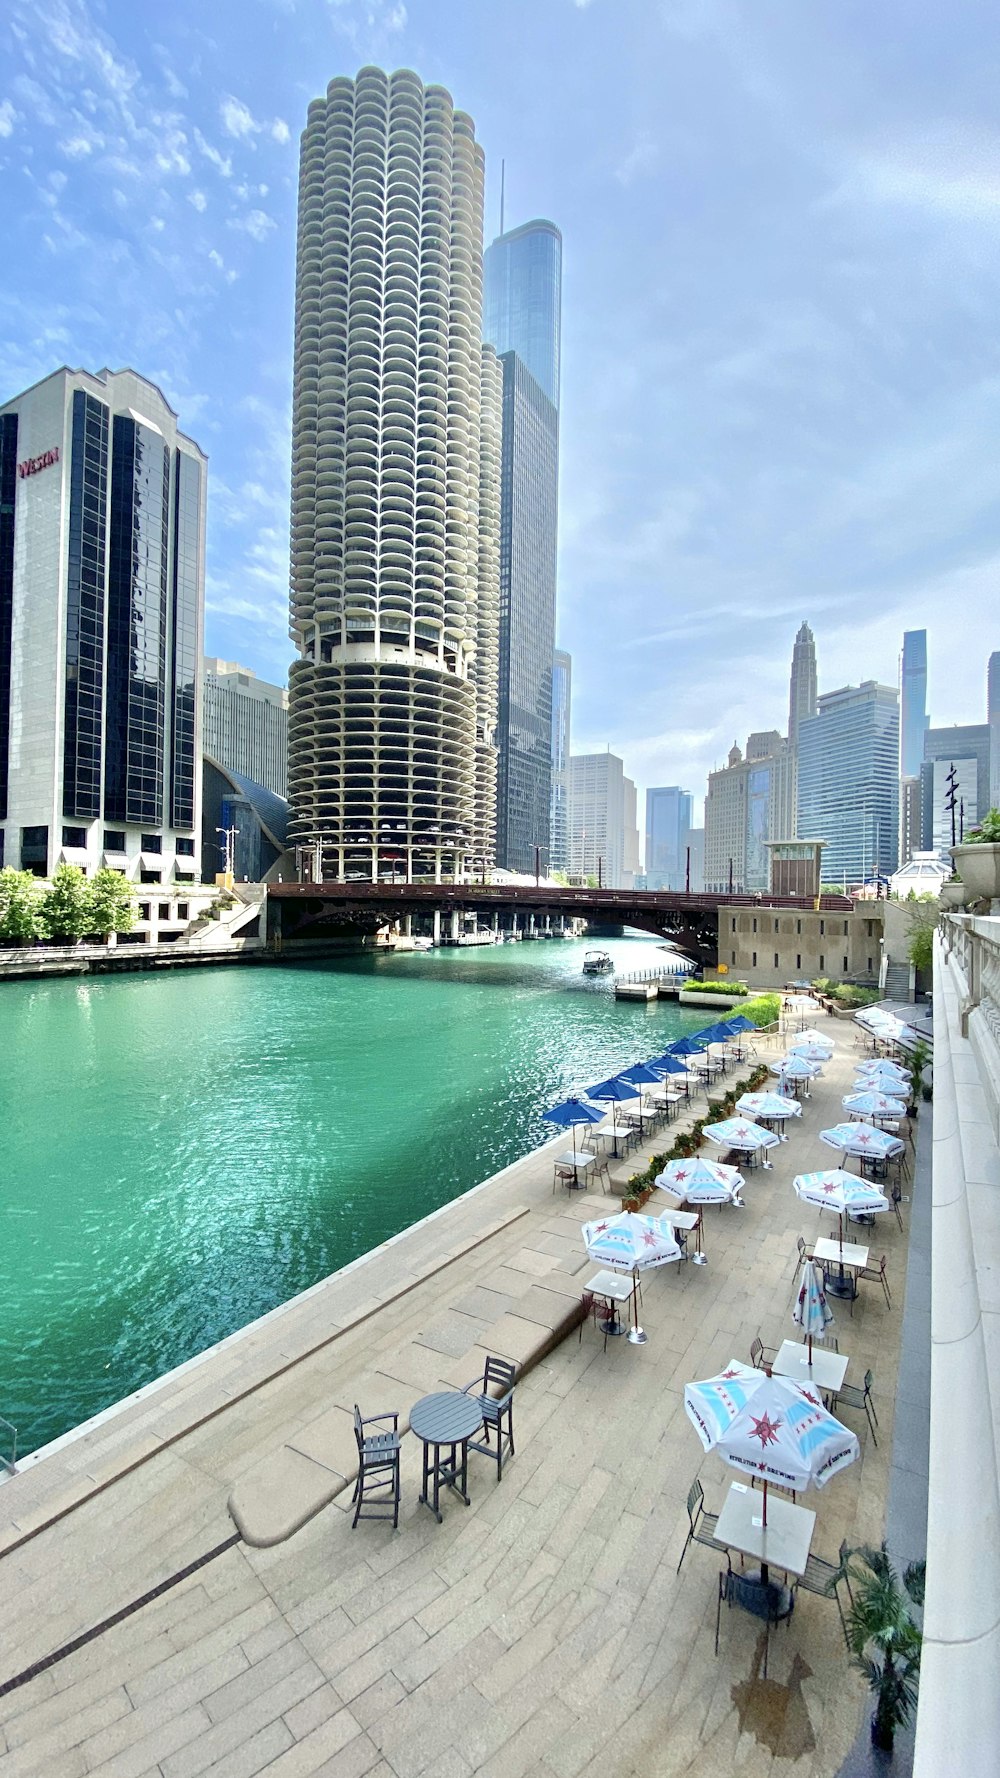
(314, 911)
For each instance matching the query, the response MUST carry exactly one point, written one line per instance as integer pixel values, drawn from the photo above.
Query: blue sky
(781, 358)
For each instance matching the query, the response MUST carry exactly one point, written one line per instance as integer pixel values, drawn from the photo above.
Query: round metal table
(445, 1423)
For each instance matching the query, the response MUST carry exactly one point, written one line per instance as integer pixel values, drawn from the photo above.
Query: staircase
(897, 980)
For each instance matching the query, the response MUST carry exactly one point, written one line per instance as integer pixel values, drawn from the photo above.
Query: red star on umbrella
(649, 1239)
(766, 1430)
(727, 1374)
(600, 1229)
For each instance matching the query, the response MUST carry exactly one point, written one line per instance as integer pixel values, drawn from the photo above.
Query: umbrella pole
(636, 1336)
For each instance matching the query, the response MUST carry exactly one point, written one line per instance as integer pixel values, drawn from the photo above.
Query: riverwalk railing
(8, 1433)
(670, 976)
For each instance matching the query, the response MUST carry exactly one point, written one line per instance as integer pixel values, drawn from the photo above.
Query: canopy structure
(770, 1427)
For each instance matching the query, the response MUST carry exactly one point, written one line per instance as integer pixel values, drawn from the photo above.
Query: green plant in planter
(882, 1636)
(916, 1062)
(988, 831)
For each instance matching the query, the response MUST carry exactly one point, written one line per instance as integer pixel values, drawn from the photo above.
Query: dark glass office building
(102, 528)
(529, 480)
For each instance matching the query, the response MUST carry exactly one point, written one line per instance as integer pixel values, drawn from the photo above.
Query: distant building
(668, 820)
(529, 490)
(246, 724)
(522, 299)
(746, 806)
(630, 855)
(562, 699)
(597, 818)
(259, 818)
(922, 874)
(913, 721)
(848, 781)
(967, 748)
(102, 578)
(802, 685)
(909, 819)
(993, 720)
(694, 852)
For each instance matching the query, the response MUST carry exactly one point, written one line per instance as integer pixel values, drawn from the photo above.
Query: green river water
(184, 1151)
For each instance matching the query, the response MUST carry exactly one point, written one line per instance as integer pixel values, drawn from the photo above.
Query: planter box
(979, 869)
(952, 895)
(691, 997)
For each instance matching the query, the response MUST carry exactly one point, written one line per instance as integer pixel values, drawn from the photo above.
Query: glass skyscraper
(522, 297)
(668, 818)
(848, 781)
(562, 701)
(529, 481)
(913, 702)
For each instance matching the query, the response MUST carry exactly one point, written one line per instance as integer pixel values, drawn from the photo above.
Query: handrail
(12, 1464)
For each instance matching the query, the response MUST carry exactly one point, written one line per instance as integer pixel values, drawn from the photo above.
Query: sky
(781, 358)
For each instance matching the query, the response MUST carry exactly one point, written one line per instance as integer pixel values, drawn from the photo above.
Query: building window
(847, 930)
(734, 929)
(871, 965)
(754, 959)
(137, 622)
(8, 495)
(798, 959)
(846, 965)
(822, 961)
(755, 924)
(186, 637)
(163, 910)
(822, 928)
(871, 928)
(777, 925)
(184, 876)
(733, 955)
(35, 850)
(114, 839)
(182, 910)
(75, 837)
(83, 708)
(151, 876)
(151, 842)
(144, 910)
(775, 959)
(185, 848)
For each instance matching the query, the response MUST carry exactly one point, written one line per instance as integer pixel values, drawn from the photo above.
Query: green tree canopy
(66, 909)
(112, 908)
(20, 905)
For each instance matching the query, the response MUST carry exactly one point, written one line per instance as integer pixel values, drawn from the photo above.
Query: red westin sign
(32, 465)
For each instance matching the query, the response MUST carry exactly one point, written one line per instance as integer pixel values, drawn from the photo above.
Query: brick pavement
(541, 1630)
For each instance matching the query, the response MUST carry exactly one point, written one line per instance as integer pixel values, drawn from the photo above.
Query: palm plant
(882, 1636)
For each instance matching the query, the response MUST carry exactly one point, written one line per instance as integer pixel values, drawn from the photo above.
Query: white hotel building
(102, 576)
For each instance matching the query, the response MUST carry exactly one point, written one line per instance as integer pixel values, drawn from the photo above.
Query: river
(184, 1151)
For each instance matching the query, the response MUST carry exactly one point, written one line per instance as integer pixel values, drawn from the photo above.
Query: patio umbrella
(871, 1103)
(702, 1182)
(883, 1074)
(614, 1090)
(813, 1052)
(818, 1037)
(667, 1064)
(769, 1105)
(740, 1132)
(571, 1113)
(862, 1139)
(741, 1023)
(840, 1191)
(640, 1075)
(771, 1427)
(631, 1243)
(794, 1068)
(812, 1312)
(687, 1046)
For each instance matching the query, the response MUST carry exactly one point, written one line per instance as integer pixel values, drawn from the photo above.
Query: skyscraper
(802, 686)
(967, 748)
(246, 724)
(913, 717)
(523, 298)
(528, 524)
(102, 585)
(562, 699)
(597, 818)
(394, 534)
(668, 818)
(848, 792)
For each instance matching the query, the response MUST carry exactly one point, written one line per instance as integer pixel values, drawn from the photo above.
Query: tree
(882, 1636)
(112, 908)
(66, 910)
(923, 919)
(20, 904)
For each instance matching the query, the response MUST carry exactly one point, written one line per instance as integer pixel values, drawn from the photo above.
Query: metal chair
(563, 1175)
(823, 1578)
(378, 1468)
(497, 1409)
(850, 1396)
(592, 1306)
(701, 1524)
(877, 1275)
(772, 1603)
(896, 1198)
(761, 1354)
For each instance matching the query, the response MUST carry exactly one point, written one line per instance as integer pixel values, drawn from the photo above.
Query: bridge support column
(515, 924)
(496, 922)
(408, 925)
(531, 923)
(548, 923)
(454, 926)
(437, 926)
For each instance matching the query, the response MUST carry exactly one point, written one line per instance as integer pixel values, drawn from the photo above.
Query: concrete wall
(768, 947)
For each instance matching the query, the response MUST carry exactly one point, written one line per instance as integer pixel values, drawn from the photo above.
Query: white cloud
(8, 118)
(280, 130)
(256, 223)
(220, 161)
(198, 199)
(641, 158)
(237, 120)
(950, 171)
(77, 148)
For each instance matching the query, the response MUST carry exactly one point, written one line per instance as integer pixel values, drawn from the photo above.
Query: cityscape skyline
(93, 114)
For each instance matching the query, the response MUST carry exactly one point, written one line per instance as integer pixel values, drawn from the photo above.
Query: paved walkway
(542, 1630)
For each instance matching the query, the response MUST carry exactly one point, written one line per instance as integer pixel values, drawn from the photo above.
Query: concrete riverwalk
(543, 1629)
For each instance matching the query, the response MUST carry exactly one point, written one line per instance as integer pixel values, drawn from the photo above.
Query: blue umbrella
(615, 1089)
(641, 1075)
(687, 1046)
(570, 1113)
(741, 1023)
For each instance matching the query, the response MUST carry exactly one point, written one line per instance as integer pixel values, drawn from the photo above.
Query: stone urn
(979, 869)
(952, 895)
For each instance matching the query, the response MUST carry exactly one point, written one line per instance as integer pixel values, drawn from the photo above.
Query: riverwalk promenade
(544, 1628)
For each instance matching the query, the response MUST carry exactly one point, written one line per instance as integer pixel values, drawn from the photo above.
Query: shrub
(846, 994)
(20, 902)
(822, 984)
(764, 1009)
(988, 831)
(734, 988)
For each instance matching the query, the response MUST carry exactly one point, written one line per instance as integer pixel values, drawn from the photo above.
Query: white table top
(827, 1371)
(832, 1254)
(678, 1219)
(785, 1542)
(617, 1285)
(581, 1160)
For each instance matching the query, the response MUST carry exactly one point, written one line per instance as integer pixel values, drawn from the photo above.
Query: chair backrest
(588, 1300)
(359, 1429)
(881, 1265)
(500, 1371)
(756, 1349)
(801, 1244)
(869, 1380)
(696, 1495)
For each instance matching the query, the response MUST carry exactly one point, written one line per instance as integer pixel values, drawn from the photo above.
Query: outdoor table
(785, 1540)
(850, 1256)
(611, 1132)
(580, 1163)
(685, 1221)
(617, 1288)
(445, 1422)
(827, 1370)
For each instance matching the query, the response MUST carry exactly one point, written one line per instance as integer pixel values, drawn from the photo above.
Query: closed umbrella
(812, 1312)
(770, 1427)
(740, 1133)
(570, 1114)
(771, 1106)
(702, 1182)
(631, 1243)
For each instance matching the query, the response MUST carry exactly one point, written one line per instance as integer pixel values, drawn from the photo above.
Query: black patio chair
(768, 1601)
(497, 1408)
(378, 1468)
(850, 1396)
(823, 1578)
(701, 1524)
(760, 1355)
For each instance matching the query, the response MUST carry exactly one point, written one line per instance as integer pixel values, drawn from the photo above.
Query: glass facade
(184, 681)
(8, 492)
(668, 818)
(522, 297)
(528, 524)
(84, 701)
(913, 702)
(562, 695)
(848, 781)
(137, 624)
